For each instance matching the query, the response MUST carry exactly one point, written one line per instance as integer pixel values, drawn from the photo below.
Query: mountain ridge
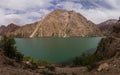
(9, 29)
(59, 23)
(107, 26)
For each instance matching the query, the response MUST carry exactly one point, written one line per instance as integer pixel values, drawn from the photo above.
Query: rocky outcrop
(103, 66)
(107, 26)
(110, 46)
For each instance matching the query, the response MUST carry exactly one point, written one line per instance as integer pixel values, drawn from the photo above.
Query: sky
(23, 12)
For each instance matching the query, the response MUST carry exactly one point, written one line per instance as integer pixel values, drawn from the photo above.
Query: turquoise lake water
(56, 50)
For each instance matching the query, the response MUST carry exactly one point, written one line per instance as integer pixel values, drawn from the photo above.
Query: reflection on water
(56, 50)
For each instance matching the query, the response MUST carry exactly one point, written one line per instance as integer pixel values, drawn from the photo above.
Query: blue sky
(28, 11)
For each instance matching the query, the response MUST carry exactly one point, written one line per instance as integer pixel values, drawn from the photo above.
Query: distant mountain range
(59, 23)
(8, 30)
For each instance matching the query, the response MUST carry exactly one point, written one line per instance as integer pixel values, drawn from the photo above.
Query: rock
(103, 66)
(114, 65)
(27, 62)
(41, 67)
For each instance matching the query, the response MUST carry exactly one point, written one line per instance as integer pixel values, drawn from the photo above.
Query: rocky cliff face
(59, 23)
(107, 26)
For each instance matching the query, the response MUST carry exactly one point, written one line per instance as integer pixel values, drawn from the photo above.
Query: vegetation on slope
(7, 44)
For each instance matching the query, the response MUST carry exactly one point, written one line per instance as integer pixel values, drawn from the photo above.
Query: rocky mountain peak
(63, 23)
(12, 25)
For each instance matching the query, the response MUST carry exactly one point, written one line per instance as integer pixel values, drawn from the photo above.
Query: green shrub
(28, 58)
(35, 61)
(19, 57)
(86, 60)
(7, 44)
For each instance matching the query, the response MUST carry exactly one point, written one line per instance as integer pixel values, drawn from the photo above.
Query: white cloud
(24, 11)
(10, 10)
(24, 4)
(98, 14)
(69, 5)
(114, 3)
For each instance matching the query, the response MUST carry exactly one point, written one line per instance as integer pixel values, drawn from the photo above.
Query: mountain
(9, 30)
(107, 26)
(60, 23)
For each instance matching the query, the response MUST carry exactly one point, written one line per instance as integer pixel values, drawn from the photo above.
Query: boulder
(104, 66)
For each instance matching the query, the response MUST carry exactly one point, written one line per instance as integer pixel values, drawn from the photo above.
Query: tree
(8, 45)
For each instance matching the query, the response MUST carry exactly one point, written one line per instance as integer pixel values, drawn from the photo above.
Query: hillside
(110, 46)
(25, 30)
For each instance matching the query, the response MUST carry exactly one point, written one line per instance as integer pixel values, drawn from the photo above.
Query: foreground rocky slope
(11, 67)
(110, 45)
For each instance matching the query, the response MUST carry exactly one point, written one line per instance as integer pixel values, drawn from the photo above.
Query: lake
(56, 50)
